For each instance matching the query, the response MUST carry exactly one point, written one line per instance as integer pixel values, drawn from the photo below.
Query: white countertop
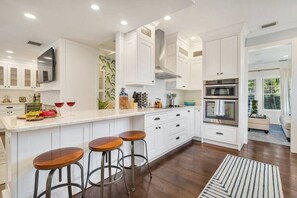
(13, 103)
(16, 125)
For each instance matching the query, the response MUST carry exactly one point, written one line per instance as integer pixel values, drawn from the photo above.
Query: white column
(294, 102)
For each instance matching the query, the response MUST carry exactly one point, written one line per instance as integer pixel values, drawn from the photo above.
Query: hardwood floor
(185, 171)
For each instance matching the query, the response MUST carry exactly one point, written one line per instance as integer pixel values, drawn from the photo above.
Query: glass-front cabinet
(13, 77)
(2, 77)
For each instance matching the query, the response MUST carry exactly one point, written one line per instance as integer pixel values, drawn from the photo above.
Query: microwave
(216, 89)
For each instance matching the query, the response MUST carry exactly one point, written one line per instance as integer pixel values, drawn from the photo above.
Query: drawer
(178, 114)
(155, 119)
(177, 138)
(221, 133)
(178, 125)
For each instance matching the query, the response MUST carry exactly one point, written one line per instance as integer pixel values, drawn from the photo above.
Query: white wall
(76, 75)
(259, 76)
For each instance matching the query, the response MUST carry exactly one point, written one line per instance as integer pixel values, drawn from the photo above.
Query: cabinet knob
(218, 73)
(177, 125)
(189, 110)
(153, 81)
(184, 86)
(157, 119)
(221, 72)
(177, 138)
(156, 127)
(159, 127)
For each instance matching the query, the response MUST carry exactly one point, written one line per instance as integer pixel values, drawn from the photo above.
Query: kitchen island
(166, 129)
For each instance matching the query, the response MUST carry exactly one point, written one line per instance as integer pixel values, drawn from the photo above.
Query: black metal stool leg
(115, 175)
(69, 181)
(82, 178)
(102, 174)
(36, 184)
(120, 150)
(132, 166)
(88, 171)
(49, 183)
(147, 159)
(109, 164)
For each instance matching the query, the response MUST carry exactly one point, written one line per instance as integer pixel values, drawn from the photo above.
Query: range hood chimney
(160, 54)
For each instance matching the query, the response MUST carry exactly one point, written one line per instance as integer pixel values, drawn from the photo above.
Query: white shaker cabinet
(196, 74)
(183, 69)
(197, 122)
(229, 56)
(3, 76)
(221, 58)
(139, 63)
(13, 80)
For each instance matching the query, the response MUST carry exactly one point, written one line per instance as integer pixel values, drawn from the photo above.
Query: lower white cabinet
(197, 122)
(165, 131)
(220, 133)
(12, 109)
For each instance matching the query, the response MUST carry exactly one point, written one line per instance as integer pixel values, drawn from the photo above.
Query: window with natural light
(271, 94)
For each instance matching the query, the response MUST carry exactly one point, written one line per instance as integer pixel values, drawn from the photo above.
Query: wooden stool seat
(58, 158)
(132, 135)
(105, 144)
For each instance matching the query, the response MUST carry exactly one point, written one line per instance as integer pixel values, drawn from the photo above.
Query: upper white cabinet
(17, 76)
(221, 58)
(196, 82)
(139, 49)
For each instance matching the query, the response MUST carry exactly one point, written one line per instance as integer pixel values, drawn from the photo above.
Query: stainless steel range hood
(160, 54)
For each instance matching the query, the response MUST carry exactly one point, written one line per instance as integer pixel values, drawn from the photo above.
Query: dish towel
(220, 108)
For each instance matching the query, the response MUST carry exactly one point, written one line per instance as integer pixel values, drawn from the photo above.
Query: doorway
(269, 93)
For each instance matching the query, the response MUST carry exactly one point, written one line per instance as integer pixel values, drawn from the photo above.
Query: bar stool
(58, 159)
(132, 136)
(105, 145)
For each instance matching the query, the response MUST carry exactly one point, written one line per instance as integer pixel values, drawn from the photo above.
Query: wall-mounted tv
(46, 66)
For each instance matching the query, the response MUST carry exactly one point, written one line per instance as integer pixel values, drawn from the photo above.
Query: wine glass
(59, 104)
(71, 103)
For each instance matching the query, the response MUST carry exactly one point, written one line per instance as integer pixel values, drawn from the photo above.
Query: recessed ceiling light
(9, 51)
(30, 16)
(193, 38)
(33, 61)
(286, 56)
(167, 18)
(95, 7)
(123, 22)
(9, 57)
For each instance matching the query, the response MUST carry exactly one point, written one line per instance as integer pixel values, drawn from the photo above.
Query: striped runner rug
(241, 177)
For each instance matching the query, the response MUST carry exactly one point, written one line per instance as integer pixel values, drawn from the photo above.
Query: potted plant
(254, 108)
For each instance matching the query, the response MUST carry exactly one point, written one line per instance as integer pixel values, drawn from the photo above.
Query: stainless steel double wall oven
(221, 101)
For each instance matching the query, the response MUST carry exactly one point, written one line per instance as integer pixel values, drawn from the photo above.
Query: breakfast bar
(25, 140)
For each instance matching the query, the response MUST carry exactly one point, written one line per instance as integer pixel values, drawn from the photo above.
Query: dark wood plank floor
(185, 171)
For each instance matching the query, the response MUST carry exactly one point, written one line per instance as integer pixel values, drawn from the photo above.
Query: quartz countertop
(12, 124)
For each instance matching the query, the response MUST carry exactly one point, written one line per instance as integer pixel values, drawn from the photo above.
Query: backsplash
(15, 94)
(160, 91)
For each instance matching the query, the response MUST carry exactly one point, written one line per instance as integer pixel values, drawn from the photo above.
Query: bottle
(34, 98)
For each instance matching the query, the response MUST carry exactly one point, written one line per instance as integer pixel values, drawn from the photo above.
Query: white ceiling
(75, 20)
(207, 15)
(270, 54)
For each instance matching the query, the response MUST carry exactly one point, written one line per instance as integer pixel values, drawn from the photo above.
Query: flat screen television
(46, 66)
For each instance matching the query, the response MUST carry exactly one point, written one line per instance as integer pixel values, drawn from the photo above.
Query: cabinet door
(197, 122)
(145, 62)
(130, 60)
(229, 55)
(27, 79)
(196, 82)
(2, 77)
(212, 58)
(13, 77)
(151, 133)
(161, 139)
(183, 69)
(190, 123)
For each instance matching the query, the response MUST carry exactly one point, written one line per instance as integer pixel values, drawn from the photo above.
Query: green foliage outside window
(271, 89)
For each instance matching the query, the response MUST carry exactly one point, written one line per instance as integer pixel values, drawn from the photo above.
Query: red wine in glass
(59, 104)
(70, 104)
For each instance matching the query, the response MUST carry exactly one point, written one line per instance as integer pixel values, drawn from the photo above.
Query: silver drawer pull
(219, 133)
(177, 125)
(157, 119)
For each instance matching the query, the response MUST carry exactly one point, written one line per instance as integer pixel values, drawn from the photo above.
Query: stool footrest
(135, 155)
(107, 183)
